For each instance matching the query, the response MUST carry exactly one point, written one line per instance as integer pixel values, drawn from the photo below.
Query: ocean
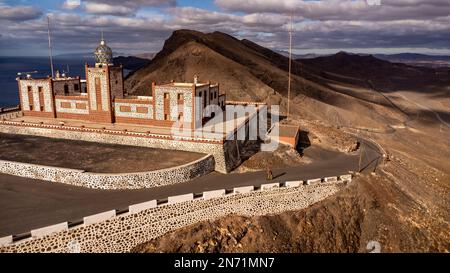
(10, 66)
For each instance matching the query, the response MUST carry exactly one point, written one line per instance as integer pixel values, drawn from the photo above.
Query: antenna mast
(290, 67)
(50, 46)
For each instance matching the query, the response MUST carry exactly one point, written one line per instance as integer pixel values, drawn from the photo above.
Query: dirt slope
(405, 206)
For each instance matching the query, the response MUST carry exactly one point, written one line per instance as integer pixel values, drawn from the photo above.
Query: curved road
(28, 204)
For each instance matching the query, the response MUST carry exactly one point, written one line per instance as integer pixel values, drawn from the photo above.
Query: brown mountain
(403, 205)
(329, 88)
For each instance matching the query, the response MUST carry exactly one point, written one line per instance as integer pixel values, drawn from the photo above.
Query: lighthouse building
(101, 97)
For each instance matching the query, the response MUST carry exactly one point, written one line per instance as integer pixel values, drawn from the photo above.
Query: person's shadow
(279, 175)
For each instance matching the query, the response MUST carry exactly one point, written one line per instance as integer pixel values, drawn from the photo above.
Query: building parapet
(79, 96)
(62, 126)
(9, 109)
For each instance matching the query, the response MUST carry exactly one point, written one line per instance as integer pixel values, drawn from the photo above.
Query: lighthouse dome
(103, 54)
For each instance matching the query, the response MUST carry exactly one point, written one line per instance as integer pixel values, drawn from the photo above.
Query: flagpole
(290, 68)
(50, 46)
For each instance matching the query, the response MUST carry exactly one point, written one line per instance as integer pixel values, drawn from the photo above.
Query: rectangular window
(65, 104)
(180, 96)
(29, 88)
(40, 89)
(125, 109)
(75, 87)
(98, 94)
(42, 108)
(142, 110)
(166, 117)
(204, 98)
(81, 106)
(66, 89)
(166, 96)
(211, 96)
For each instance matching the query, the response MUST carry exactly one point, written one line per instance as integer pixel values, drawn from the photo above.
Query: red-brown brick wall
(38, 114)
(72, 116)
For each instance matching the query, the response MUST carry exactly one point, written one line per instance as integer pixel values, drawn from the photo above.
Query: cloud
(318, 25)
(342, 9)
(100, 8)
(19, 13)
(123, 7)
(135, 4)
(71, 4)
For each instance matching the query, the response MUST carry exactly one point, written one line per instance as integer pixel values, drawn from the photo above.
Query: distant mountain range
(90, 55)
(412, 57)
(129, 62)
(148, 56)
(417, 59)
(407, 58)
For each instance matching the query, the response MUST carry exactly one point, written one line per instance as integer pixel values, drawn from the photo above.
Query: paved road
(27, 204)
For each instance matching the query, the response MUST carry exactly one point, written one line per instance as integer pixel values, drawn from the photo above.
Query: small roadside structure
(289, 135)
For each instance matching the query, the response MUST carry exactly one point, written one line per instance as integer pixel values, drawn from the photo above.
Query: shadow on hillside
(303, 143)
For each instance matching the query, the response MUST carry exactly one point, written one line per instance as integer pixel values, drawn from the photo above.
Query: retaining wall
(214, 147)
(121, 230)
(10, 113)
(111, 181)
(226, 153)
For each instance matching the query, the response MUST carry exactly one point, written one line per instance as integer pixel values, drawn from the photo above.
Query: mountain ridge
(339, 84)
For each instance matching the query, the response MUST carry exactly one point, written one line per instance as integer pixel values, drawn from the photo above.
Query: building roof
(289, 130)
(187, 84)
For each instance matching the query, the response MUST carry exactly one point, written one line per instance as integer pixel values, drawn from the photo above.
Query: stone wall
(6, 113)
(226, 153)
(75, 105)
(174, 105)
(36, 97)
(120, 231)
(73, 86)
(213, 147)
(111, 181)
(132, 110)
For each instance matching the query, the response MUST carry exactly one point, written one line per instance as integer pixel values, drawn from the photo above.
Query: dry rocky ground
(404, 206)
(312, 133)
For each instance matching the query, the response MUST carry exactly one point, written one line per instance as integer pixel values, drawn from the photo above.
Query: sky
(141, 26)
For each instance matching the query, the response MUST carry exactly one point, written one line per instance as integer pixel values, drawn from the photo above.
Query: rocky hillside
(404, 205)
(324, 88)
